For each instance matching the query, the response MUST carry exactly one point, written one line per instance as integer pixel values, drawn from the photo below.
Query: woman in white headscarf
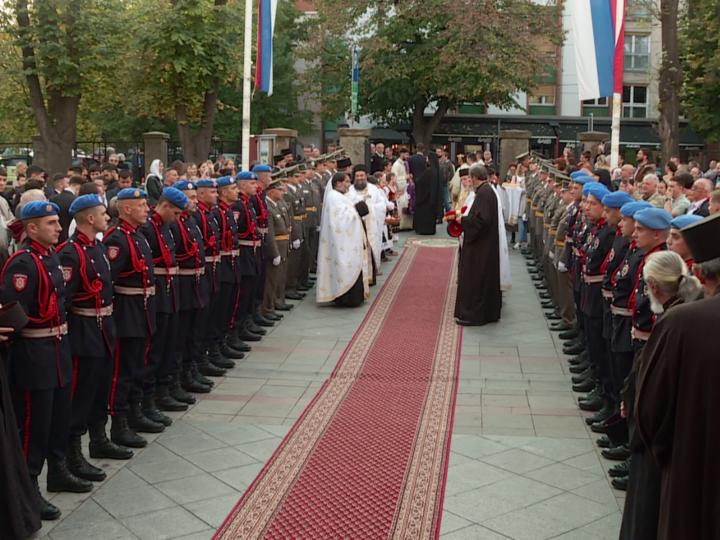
(154, 182)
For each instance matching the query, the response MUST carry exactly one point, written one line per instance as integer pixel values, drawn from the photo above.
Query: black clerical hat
(12, 315)
(701, 239)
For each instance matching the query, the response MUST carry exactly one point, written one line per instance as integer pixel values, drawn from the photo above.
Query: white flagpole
(615, 139)
(247, 85)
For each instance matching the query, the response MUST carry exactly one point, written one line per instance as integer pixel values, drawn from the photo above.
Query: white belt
(105, 311)
(593, 279)
(162, 271)
(213, 258)
(233, 253)
(38, 333)
(250, 243)
(191, 271)
(263, 230)
(621, 311)
(135, 291)
(639, 334)
(607, 294)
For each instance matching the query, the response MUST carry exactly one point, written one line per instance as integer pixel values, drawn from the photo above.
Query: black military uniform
(249, 262)
(40, 367)
(93, 340)
(259, 202)
(133, 272)
(310, 217)
(194, 293)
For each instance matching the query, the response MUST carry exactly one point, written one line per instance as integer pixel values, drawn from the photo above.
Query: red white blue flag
(598, 29)
(266, 26)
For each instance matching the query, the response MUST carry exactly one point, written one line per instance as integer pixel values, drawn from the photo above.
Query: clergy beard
(360, 185)
(655, 305)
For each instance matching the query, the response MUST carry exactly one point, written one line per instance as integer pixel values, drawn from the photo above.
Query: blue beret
(683, 221)
(578, 174)
(131, 193)
(582, 179)
(185, 185)
(225, 181)
(206, 183)
(261, 169)
(617, 199)
(654, 218)
(176, 197)
(85, 201)
(246, 175)
(629, 209)
(597, 190)
(37, 209)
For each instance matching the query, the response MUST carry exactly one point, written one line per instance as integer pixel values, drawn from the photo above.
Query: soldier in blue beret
(131, 262)
(676, 242)
(161, 391)
(40, 368)
(93, 336)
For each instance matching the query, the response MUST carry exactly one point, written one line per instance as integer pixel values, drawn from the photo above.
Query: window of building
(637, 52)
(635, 101)
(638, 9)
(543, 95)
(596, 107)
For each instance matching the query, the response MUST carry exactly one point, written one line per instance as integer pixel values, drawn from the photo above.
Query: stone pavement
(523, 465)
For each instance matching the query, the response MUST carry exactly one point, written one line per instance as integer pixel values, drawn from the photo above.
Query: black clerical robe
(676, 411)
(426, 198)
(479, 298)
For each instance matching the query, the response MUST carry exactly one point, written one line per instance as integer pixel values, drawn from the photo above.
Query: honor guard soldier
(92, 335)
(259, 201)
(250, 258)
(306, 196)
(296, 206)
(133, 273)
(162, 390)
(223, 347)
(314, 199)
(676, 242)
(278, 239)
(566, 307)
(210, 230)
(193, 292)
(40, 367)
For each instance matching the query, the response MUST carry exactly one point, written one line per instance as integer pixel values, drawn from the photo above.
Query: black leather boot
(585, 386)
(607, 410)
(225, 355)
(191, 384)
(235, 343)
(579, 368)
(199, 377)
(47, 510)
(165, 402)
(121, 434)
(205, 367)
(102, 447)
(617, 453)
(569, 334)
(576, 349)
(178, 393)
(263, 321)
(151, 412)
(78, 465)
(621, 469)
(59, 478)
(621, 482)
(585, 375)
(246, 335)
(603, 442)
(579, 358)
(250, 326)
(140, 423)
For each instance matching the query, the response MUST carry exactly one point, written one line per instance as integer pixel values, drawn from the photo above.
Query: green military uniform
(565, 299)
(296, 209)
(549, 211)
(309, 219)
(314, 199)
(278, 240)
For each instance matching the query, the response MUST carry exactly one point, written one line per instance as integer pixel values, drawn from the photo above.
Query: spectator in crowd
(447, 171)
(711, 174)
(670, 170)
(662, 187)
(32, 194)
(714, 202)
(696, 172)
(650, 191)
(64, 199)
(701, 197)
(676, 202)
(5, 199)
(153, 182)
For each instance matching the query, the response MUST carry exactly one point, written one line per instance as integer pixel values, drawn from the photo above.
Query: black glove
(362, 208)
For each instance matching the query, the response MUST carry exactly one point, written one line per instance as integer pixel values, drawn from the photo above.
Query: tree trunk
(670, 82)
(423, 130)
(196, 143)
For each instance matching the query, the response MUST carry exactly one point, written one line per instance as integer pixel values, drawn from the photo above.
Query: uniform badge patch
(67, 273)
(20, 282)
(237, 215)
(597, 243)
(612, 254)
(625, 270)
(113, 252)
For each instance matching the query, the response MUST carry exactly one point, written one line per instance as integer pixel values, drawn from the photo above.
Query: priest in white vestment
(362, 190)
(342, 269)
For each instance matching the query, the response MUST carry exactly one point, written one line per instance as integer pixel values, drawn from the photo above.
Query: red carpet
(368, 457)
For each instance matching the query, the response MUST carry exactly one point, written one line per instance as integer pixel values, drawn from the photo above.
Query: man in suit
(376, 161)
(66, 192)
(701, 197)
(418, 162)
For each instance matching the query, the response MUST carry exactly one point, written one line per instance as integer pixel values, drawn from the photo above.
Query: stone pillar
(590, 140)
(355, 142)
(156, 147)
(283, 138)
(39, 154)
(513, 142)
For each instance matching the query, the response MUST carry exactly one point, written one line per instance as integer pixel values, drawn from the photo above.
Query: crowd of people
(137, 296)
(614, 269)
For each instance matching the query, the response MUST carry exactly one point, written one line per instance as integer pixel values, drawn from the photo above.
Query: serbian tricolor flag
(598, 29)
(266, 26)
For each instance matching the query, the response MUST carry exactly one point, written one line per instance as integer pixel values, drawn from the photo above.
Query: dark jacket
(418, 165)
(64, 200)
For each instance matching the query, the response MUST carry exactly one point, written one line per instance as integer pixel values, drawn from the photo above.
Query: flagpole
(247, 85)
(615, 134)
(619, 8)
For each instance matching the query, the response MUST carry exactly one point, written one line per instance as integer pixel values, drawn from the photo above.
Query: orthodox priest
(343, 261)
(374, 221)
(427, 193)
(677, 399)
(479, 298)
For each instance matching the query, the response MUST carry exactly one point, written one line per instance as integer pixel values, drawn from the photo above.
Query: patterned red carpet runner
(368, 458)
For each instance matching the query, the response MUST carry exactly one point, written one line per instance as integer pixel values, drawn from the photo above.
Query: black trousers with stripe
(128, 372)
(92, 379)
